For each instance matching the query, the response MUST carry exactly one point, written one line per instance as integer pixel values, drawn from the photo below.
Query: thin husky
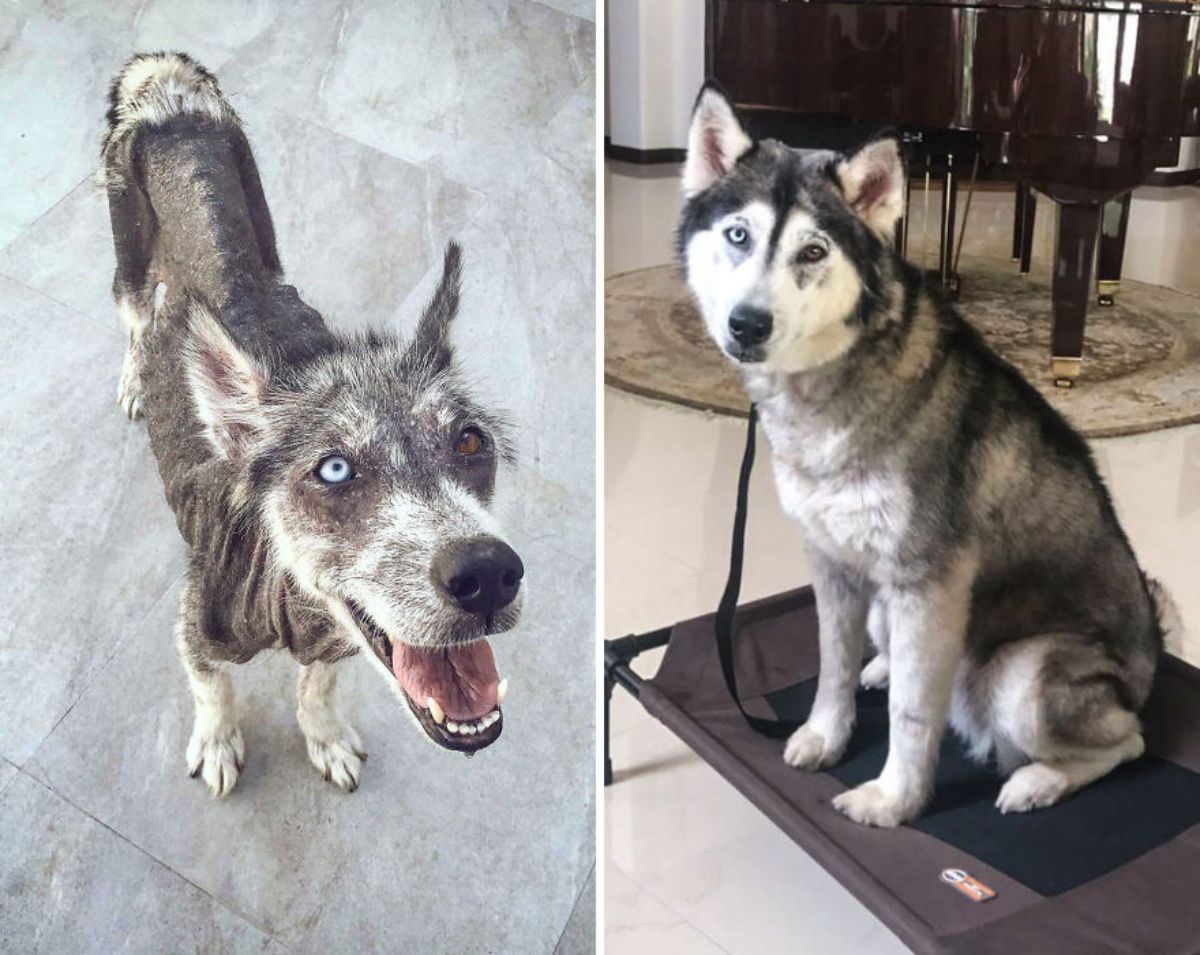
(949, 510)
(334, 491)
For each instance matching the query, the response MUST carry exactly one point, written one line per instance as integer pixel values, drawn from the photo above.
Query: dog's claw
(339, 760)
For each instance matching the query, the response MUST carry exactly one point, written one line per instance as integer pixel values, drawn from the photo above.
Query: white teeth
(469, 729)
(434, 710)
(502, 690)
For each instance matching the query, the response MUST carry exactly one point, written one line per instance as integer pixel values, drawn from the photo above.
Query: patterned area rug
(1141, 367)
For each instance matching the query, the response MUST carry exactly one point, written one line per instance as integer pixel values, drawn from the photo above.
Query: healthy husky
(949, 510)
(333, 491)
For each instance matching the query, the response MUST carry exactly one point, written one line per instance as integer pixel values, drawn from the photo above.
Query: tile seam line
(670, 908)
(269, 935)
(562, 13)
(307, 120)
(121, 644)
(16, 772)
(75, 310)
(574, 905)
(42, 215)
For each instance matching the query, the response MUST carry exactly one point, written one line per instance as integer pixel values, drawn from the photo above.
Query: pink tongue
(463, 680)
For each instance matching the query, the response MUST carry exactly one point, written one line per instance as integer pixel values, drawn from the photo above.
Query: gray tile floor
(381, 129)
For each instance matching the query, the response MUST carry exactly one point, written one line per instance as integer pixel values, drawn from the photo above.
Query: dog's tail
(150, 90)
(1170, 623)
(203, 187)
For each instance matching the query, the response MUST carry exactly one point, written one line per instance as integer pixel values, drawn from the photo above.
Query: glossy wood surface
(1049, 86)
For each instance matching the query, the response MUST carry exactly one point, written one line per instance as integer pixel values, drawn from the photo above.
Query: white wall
(655, 68)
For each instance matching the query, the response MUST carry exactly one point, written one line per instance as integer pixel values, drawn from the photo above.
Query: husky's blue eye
(736, 235)
(335, 470)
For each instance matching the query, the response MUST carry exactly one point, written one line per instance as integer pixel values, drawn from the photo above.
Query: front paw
(807, 749)
(873, 805)
(338, 757)
(220, 753)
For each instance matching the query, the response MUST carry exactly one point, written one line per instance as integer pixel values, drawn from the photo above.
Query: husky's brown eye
(813, 252)
(469, 442)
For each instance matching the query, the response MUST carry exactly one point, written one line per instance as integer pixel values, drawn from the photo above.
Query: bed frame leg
(609, 684)
(618, 655)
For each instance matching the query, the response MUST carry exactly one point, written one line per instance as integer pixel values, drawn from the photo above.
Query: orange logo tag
(968, 885)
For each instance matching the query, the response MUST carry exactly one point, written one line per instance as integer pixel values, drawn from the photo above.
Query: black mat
(1138, 806)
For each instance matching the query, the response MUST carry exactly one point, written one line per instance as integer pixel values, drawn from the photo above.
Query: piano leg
(946, 275)
(1078, 224)
(902, 225)
(1027, 203)
(1018, 222)
(1113, 223)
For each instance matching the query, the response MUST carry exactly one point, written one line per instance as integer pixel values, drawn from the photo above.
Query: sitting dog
(947, 508)
(333, 490)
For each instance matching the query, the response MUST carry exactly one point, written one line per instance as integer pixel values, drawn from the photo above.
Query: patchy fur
(333, 490)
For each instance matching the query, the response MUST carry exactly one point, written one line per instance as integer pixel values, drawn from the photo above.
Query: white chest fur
(853, 513)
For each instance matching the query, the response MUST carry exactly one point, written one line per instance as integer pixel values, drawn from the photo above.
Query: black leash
(776, 729)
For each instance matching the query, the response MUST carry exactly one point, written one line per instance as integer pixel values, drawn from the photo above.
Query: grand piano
(1079, 100)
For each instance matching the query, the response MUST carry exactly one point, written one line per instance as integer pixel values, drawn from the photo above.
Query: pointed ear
(432, 340)
(715, 140)
(872, 180)
(227, 385)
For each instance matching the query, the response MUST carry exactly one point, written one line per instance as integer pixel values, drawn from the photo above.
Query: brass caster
(1064, 371)
(1105, 292)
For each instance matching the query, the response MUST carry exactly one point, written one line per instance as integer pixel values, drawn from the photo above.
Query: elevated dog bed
(1114, 868)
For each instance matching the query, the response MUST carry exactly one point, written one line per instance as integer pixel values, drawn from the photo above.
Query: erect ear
(227, 385)
(432, 340)
(715, 140)
(872, 180)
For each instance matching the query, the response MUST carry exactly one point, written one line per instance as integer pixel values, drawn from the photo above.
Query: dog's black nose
(749, 325)
(481, 576)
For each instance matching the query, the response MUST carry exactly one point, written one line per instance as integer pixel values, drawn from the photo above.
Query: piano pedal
(1064, 371)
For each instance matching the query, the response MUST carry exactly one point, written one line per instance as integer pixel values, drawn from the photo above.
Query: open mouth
(454, 692)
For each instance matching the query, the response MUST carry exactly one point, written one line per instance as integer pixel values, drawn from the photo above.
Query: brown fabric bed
(1116, 868)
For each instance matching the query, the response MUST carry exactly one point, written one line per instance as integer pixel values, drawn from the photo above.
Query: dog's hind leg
(1061, 703)
(333, 745)
(1042, 784)
(136, 296)
(875, 673)
(216, 747)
